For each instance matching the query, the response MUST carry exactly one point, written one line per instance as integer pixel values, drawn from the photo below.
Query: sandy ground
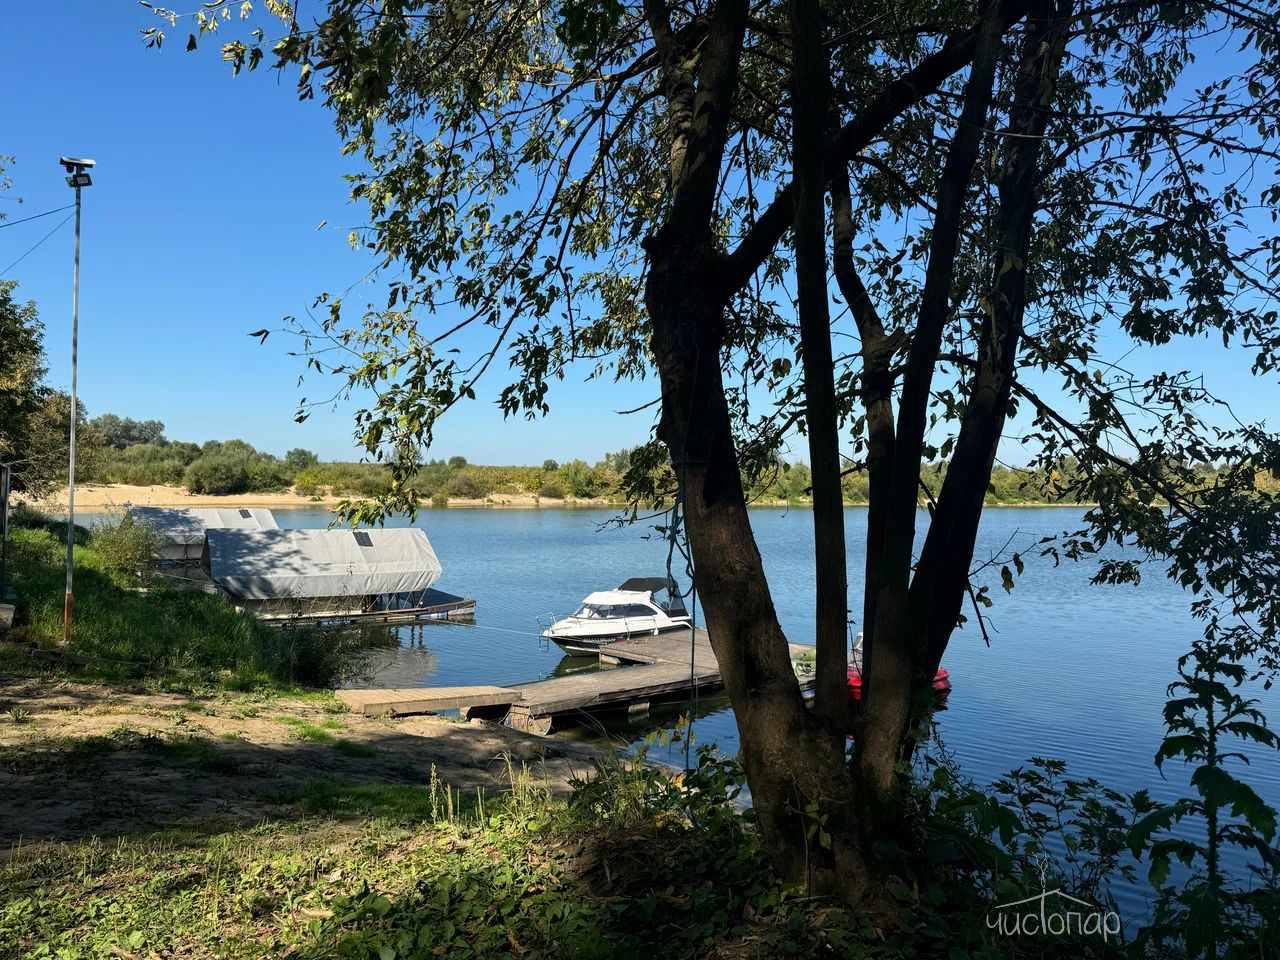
(80, 760)
(114, 496)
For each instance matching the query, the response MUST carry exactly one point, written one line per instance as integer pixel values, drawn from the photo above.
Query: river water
(1074, 671)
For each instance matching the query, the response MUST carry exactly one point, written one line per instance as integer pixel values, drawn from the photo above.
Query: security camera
(72, 164)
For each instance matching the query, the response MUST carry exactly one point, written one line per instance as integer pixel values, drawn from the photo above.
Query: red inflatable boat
(941, 683)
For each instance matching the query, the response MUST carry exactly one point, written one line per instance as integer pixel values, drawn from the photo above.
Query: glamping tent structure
(183, 528)
(381, 574)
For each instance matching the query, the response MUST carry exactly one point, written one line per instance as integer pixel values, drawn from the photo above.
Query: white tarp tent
(183, 528)
(289, 564)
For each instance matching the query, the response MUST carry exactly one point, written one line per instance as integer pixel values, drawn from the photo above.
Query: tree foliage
(22, 373)
(124, 432)
(35, 419)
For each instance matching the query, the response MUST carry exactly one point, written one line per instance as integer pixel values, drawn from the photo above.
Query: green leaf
(1256, 732)
(1186, 745)
(1157, 820)
(1219, 788)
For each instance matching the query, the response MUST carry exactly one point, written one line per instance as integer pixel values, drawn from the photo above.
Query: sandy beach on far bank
(109, 497)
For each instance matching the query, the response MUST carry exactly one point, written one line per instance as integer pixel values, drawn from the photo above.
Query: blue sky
(202, 226)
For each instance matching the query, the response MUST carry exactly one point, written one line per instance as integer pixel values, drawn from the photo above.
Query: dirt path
(80, 760)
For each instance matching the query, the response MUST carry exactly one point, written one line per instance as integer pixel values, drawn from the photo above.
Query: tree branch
(942, 571)
(901, 95)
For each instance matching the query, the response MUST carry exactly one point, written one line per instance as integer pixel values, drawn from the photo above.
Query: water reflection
(403, 659)
(571, 665)
(624, 729)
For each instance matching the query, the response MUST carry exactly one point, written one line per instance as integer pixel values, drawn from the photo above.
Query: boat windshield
(617, 611)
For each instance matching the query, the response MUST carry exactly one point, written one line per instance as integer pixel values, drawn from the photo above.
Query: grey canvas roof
(281, 564)
(188, 524)
(650, 584)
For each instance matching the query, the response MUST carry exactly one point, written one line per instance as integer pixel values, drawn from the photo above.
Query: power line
(37, 243)
(14, 223)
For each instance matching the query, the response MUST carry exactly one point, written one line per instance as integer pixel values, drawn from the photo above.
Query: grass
(305, 730)
(366, 871)
(633, 865)
(393, 803)
(199, 752)
(171, 749)
(350, 748)
(322, 732)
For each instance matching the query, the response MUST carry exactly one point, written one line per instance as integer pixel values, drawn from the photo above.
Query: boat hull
(941, 683)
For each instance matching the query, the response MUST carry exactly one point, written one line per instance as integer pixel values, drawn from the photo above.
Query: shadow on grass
(126, 781)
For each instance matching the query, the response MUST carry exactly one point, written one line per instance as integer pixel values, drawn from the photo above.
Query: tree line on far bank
(137, 452)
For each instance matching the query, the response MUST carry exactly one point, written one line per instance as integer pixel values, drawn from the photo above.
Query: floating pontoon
(332, 575)
(183, 528)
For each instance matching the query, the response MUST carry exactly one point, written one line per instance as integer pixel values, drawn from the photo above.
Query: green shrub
(311, 481)
(469, 485)
(125, 545)
(373, 483)
(300, 459)
(580, 479)
(551, 491)
(145, 464)
(218, 473)
(267, 473)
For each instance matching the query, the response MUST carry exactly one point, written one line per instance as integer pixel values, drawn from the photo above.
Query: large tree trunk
(921, 620)
(941, 580)
(795, 769)
(822, 421)
(893, 680)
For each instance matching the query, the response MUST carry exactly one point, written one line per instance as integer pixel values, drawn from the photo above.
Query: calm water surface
(1074, 672)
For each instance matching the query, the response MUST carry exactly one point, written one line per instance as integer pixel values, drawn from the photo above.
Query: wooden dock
(663, 667)
(377, 703)
(437, 606)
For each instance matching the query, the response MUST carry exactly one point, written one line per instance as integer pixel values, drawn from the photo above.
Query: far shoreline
(113, 497)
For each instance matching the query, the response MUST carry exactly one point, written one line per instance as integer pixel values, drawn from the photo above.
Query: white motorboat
(639, 607)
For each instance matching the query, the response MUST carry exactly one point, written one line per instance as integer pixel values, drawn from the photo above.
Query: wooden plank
(374, 703)
(612, 687)
(673, 646)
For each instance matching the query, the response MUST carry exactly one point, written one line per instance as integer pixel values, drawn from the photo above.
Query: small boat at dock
(640, 606)
(941, 679)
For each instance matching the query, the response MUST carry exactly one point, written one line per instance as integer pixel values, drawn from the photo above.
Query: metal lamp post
(78, 179)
